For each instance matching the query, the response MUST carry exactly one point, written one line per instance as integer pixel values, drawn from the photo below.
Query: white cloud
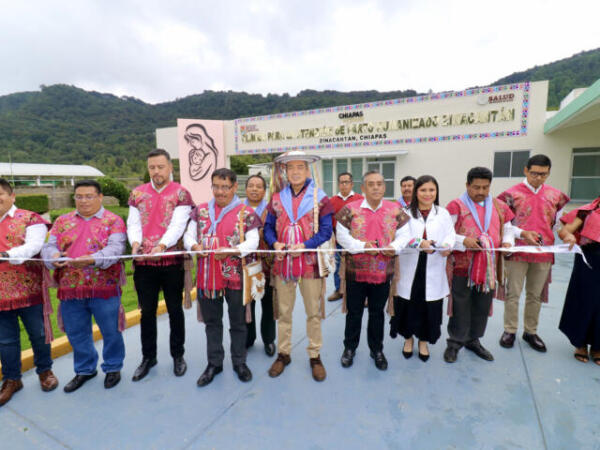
(159, 51)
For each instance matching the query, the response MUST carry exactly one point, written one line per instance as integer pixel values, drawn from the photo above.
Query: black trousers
(212, 311)
(470, 311)
(267, 323)
(356, 294)
(149, 280)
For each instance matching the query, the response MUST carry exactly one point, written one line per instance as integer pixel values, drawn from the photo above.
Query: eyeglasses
(223, 188)
(85, 197)
(345, 182)
(539, 174)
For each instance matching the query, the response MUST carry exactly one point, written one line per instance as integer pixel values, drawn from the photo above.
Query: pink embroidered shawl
(379, 226)
(156, 210)
(534, 212)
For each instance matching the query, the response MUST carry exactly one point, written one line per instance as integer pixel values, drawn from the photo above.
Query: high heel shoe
(422, 356)
(406, 354)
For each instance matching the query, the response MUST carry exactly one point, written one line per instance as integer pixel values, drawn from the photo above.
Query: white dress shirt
(354, 246)
(339, 194)
(35, 235)
(176, 227)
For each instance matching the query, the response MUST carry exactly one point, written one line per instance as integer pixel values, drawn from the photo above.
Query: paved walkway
(522, 400)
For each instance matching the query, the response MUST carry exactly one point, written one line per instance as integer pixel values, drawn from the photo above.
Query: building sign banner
(499, 111)
(201, 151)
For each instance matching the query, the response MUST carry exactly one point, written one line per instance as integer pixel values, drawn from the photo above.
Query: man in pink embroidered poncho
(158, 214)
(216, 226)
(289, 226)
(22, 294)
(363, 225)
(537, 208)
(481, 223)
(89, 283)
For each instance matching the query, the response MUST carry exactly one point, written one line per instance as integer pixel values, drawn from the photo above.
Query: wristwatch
(4, 255)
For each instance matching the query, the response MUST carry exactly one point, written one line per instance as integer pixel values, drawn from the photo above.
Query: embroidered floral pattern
(20, 284)
(76, 237)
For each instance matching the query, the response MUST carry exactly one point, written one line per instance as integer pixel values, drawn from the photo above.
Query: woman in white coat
(423, 282)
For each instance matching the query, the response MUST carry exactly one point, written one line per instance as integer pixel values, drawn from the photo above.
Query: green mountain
(580, 70)
(68, 125)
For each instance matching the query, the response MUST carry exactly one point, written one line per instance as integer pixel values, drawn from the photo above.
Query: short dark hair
(224, 174)
(159, 152)
(479, 172)
(88, 183)
(370, 172)
(345, 173)
(414, 203)
(4, 184)
(408, 178)
(539, 160)
(259, 176)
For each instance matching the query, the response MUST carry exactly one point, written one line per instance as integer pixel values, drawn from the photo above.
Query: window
(510, 164)
(386, 167)
(328, 177)
(356, 169)
(585, 179)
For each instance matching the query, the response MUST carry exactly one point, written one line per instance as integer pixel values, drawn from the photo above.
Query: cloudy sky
(160, 50)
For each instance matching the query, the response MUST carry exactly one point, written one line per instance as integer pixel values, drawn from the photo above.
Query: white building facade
(443, 135)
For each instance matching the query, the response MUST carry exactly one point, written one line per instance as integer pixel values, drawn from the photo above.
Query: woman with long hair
(423, 283)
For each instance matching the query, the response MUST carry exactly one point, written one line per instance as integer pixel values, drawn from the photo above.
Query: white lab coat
(439, 229)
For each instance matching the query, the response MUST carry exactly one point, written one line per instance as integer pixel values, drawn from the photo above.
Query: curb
(61, 346)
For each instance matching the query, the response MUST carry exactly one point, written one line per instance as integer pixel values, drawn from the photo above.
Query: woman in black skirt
(423, 283)
(580, 320)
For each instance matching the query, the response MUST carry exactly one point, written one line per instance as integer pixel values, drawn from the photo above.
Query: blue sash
(306, 204)
(488, 205)
(211, 213)
(260, 208)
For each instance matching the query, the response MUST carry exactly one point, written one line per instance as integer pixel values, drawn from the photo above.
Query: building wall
(447, 160)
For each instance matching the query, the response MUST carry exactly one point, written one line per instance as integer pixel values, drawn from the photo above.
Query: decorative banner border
(375, 143)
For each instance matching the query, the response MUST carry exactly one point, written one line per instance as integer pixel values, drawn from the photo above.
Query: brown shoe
(9, 387)
(318, 371)
(335, 296)
(279, 364)
(48, 381)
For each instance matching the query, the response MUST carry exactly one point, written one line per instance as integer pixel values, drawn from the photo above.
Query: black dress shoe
(451, 354)
(78, 381)
(143, 369)
(179, 366)
(507, 340)
(406, 354)
(535, 342)
(347, 357)
(208, 374)
(380, 361)
(112, 379)
(270, 349)
(476, 347)
(243, 372)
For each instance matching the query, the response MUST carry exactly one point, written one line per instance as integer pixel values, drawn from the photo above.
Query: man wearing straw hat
(290, 226)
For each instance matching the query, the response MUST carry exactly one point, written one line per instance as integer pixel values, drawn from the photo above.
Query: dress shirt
(35, 235)
(113, 248)
(354, 246)
(190, 238)
(175, 230)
